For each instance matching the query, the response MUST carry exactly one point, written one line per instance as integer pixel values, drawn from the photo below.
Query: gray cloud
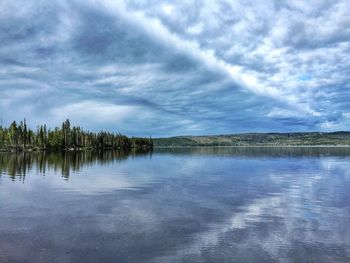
(167, 68)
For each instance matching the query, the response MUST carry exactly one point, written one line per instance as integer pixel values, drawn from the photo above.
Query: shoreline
(74, 150)
(169, 147)
(254, 146)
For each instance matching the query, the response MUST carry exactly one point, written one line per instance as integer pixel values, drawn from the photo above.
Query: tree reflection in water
(17, 165)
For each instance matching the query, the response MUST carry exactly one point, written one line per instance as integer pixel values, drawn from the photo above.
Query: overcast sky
(166, 68)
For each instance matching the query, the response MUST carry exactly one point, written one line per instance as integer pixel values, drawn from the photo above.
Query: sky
(166, 68)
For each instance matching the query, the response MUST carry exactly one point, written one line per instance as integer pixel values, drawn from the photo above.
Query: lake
(176, 205)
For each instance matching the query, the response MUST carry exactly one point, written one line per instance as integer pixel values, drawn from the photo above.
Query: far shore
(256, 146)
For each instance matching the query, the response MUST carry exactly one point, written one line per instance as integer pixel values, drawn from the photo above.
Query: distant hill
(259, 139)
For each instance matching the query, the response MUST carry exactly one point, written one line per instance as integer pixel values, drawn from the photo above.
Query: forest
(19, 137)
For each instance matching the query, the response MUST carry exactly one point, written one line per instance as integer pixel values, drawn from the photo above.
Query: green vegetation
(259, 139)
(19, 137)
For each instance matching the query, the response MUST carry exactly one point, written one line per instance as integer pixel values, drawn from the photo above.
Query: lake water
(180, 205)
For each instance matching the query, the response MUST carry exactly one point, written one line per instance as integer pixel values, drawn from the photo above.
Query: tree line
(18, 137)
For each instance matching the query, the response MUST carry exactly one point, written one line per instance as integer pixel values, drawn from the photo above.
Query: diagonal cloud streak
(170, 68)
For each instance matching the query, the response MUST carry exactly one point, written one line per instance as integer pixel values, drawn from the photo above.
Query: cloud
(220, 67)
(340, 123)
(99, 112)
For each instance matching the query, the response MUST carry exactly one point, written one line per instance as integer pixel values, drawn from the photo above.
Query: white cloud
(196, 29)
(98, 112)
(168, 9)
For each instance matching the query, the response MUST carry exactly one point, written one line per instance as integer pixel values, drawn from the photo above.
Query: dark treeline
(18, 137)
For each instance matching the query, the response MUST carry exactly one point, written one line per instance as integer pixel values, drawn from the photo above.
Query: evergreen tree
(20, 137)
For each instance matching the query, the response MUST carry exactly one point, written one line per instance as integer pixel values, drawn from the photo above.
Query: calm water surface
(182, 205)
